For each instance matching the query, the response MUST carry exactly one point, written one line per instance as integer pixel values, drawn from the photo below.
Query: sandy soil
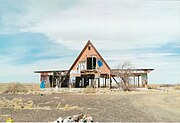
(121, 106)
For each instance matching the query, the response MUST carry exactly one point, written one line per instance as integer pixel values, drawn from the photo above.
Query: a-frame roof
(85, 47)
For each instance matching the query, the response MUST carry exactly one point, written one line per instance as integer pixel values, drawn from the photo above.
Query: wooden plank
(116, 82)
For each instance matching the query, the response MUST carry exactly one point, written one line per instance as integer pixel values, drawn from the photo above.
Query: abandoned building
(90, 69)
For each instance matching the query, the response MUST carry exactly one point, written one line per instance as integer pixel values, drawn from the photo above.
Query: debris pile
(75, 118)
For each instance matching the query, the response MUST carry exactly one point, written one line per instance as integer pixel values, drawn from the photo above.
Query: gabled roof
(85, 47)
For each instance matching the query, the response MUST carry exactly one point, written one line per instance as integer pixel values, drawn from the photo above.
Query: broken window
(91, 63)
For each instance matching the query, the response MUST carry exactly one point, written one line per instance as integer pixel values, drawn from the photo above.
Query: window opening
(91, 63)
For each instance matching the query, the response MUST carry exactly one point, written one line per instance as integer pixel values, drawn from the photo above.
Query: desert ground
(103, 105)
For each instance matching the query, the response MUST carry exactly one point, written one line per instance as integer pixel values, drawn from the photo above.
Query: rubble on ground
(75, 118)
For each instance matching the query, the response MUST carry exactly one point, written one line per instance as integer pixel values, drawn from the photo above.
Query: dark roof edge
(145, 69)
(44, 71)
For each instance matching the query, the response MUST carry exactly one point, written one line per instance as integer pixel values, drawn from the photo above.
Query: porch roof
(134, 71)
(48, 71)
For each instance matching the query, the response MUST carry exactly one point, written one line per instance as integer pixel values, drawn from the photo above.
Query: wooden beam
(116, 81)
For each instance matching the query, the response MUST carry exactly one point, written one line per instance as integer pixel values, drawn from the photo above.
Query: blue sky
(46, 34)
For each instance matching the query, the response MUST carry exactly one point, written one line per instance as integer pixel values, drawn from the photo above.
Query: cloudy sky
(49, 34)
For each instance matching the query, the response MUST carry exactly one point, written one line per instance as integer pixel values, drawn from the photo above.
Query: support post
(83, 82)
(110, 81)
(138, 80)
(103, 82)
(146, 79)
(98, 82)
(60, 81)
(53, 80)
(134, 80)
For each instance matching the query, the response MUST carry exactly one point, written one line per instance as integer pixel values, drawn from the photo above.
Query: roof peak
(82, 51)
(89, 41)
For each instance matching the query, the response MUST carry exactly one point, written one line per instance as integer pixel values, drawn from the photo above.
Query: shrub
(153, 86)
(177, 88)
(126, 88)
(89, 89)
(166, 85)
(15, 88)
(32, 87)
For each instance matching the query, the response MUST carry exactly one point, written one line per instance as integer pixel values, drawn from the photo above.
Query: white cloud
(124, 24)
(118, 24)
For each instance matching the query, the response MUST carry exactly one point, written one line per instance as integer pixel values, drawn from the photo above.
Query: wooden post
(134, 80)
(60, 80)
(110, 82)
(146, 79)
(53, 80)
(138, 80)
(47, 82)
(105, 82)
(142, 82)
(98, 82)
(82, 82)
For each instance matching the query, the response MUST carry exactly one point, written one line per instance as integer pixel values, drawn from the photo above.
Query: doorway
(78, 83)
(87, 80)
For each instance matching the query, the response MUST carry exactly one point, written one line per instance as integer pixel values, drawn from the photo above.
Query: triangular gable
(94, 50)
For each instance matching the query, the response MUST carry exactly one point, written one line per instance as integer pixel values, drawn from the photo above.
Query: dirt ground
(110, 107)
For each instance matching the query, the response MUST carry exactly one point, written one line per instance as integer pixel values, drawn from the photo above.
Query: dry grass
(67, 107)
(14, 88)
(16, 103)
(32, 87)
(18, 87)
(70, 107)
(177, 87)
(89, 89)
(19, 103)
(166, 85)
(153, 86)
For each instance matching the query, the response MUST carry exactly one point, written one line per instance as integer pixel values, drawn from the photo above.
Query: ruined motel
(90, 69)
